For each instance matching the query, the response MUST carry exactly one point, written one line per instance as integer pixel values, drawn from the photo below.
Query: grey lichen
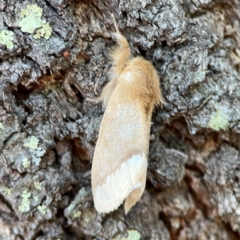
(6, 38)
(37, 154)
(31, 19)
(80, 209)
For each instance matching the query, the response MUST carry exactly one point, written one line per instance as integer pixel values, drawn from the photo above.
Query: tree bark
(48, 128)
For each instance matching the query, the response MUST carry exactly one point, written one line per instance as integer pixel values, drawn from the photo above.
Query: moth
(119, 165)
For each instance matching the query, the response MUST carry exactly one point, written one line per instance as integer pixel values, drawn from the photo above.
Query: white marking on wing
(118, 185)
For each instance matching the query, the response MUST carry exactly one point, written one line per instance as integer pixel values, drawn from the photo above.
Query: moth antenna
(115, 23)
(121, 54)
(105, 95)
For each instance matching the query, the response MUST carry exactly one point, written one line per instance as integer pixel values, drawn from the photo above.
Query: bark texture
(48, 129)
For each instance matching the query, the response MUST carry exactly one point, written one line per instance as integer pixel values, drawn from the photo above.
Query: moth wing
(120, 158)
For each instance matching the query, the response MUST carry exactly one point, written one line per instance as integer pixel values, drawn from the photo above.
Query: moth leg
(106, 93)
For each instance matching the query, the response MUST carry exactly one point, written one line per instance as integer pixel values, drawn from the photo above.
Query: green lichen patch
(29, 24)
(6, 38)
(38, 185)
(132, 235)
(1, 126)
(6, 191)
(25, 202)
(218, 121)
(25, 162)
(42, 209)
(31, 10)
(31, 19)
(45, 32)
(71, 207)
(77, 214)
(31, 142)
(36, 151)
(35, 198)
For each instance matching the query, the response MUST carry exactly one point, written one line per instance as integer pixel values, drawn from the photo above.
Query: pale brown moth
(120, 159)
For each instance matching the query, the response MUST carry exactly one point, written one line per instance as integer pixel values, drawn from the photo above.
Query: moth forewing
(120, 159)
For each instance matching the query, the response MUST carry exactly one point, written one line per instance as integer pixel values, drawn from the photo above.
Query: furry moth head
(120, 159)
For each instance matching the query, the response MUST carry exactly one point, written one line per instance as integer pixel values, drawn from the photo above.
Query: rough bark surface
(48, 129)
